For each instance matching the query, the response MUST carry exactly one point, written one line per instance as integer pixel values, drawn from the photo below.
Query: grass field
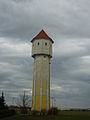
(64, 115)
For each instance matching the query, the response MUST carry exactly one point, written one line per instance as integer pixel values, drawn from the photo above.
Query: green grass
(64, 115)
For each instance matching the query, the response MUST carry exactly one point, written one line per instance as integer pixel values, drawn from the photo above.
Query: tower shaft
(41, 83)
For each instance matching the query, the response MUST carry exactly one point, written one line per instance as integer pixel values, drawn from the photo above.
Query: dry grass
(63, 115)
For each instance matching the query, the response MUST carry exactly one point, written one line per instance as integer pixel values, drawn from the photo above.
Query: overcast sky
(67, 22)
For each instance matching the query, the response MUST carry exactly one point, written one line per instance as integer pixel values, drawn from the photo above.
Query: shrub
(34, 112)
(53, 111)
(23, 110)
(6, 113)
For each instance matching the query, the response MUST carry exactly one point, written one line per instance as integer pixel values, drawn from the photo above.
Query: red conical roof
(42, 35)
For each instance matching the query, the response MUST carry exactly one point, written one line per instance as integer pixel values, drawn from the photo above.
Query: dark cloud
(68, 24)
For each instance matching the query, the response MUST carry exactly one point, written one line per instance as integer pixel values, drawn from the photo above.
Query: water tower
(42, 54)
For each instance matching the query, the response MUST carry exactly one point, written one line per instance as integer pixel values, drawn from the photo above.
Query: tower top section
(42, 35)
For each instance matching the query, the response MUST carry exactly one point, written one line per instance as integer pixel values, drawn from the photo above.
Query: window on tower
(45, 43)
(38, 43)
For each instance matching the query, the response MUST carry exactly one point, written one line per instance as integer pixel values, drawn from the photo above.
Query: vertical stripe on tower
(35, 83)
(47, 85)
(41, 85)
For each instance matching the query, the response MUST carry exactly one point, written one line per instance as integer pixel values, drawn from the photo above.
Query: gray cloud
(68, 24)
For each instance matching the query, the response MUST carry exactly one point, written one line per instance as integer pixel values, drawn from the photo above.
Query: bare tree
(24, 102)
